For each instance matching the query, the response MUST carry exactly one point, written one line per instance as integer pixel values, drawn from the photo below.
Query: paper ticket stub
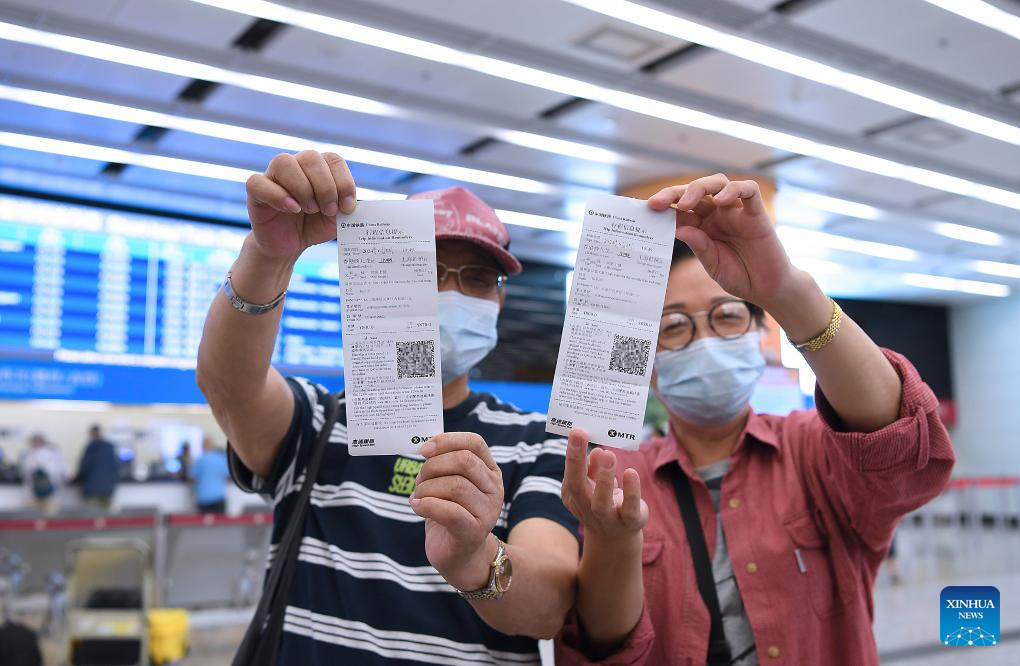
(612, 321)
(390, 326)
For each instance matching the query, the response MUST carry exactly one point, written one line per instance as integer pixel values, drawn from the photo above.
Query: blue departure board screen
(98, 304)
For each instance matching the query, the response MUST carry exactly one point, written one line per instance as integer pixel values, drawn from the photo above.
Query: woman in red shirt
(776, 524)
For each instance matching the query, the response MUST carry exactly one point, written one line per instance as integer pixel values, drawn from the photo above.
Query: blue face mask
(710, 381)
(467, 332)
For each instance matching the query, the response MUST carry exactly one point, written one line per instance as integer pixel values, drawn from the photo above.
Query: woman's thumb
(702, 245)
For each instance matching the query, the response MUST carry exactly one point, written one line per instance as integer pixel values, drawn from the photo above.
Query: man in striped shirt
(389, 541)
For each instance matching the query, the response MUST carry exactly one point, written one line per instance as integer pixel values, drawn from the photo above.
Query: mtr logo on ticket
(621, 435)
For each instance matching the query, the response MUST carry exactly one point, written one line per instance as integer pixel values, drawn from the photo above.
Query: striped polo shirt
(364, 592)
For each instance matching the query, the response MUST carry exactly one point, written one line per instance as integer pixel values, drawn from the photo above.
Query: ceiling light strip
(271, 86)
(942, 283)
(635, 103)
(235, 174)
(620, 99)
(803, 67)
(984, 13)
(222, 172)
(271, 139)
(998, 268)
(288, 142)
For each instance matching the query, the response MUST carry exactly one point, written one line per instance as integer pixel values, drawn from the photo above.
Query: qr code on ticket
(416, 359)
(630, 355)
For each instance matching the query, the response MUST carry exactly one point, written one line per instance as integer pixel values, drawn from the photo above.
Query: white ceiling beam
(258, 75)
(217, 125)
(217, 128)
(801, 243)
(61, 37)
(871, 160)
(984, 13)
(766, 55)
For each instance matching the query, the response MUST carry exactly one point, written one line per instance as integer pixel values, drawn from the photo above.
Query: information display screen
(98, 304)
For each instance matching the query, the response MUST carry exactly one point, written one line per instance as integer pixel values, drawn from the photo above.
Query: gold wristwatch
(500, 574)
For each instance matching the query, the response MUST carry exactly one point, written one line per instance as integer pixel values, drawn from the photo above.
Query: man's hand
(728, 227)
(460, 494)
(293, 205)
(608, 513)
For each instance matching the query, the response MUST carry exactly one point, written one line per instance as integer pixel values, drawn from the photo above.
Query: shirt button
(751, 568)
(773, 652)
(734, 503)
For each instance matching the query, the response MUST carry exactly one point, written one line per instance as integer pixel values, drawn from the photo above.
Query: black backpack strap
(718, 648)
(261, 641)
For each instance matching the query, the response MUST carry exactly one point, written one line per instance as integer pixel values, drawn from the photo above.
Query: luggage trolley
(110, 583)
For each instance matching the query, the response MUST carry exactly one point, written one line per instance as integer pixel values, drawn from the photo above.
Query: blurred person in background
(209, 476)
(744, 538)
(184, 460)
(44, 474)
(892, 565)
(391, 540)
(97, 471)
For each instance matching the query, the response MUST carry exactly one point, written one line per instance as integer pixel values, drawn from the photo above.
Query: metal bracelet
(244, 306)
(826, 336)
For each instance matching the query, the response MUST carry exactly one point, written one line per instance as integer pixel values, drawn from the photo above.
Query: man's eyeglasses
(480, 281)
(727, 319)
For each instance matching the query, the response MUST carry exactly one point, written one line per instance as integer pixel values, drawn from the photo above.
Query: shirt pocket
(814, 564)
(652, 572)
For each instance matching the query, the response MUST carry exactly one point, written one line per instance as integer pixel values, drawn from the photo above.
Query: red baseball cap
(460, 215)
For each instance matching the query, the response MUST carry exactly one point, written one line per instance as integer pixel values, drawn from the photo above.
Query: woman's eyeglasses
(727, 319)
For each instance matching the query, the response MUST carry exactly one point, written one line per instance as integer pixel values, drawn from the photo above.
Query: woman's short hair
(683, 252)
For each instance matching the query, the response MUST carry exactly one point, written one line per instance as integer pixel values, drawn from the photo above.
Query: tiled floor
(906, 622)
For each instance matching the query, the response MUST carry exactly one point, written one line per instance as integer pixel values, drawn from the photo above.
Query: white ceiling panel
(143, 177)
(205, 148)
(765, 89)
(757, 5)
(30, 159)
(921, 34)
(984, 214)
(315, 119)
(495, 197)
(121, 79)
(329, 55)
(257, 158)
(951, 144)
(184, 21)
(32, 119)
(553, 26)
(630, 175)
(102, 76)
(829, 177)
(914, 235)
(99, 11)
(547, 166)
(664, 135)
(34, 61)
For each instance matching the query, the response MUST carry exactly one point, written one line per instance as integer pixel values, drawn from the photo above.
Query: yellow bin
(168, 634)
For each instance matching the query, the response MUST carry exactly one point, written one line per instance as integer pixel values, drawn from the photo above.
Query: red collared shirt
(796, 483)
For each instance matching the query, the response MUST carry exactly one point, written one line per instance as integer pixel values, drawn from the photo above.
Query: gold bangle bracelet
(826, 336)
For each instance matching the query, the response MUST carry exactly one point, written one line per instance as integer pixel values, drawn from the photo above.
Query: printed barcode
(416, 359)
(630, 355)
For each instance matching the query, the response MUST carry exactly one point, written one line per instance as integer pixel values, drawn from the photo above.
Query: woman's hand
(590, 492)
(728, 227)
